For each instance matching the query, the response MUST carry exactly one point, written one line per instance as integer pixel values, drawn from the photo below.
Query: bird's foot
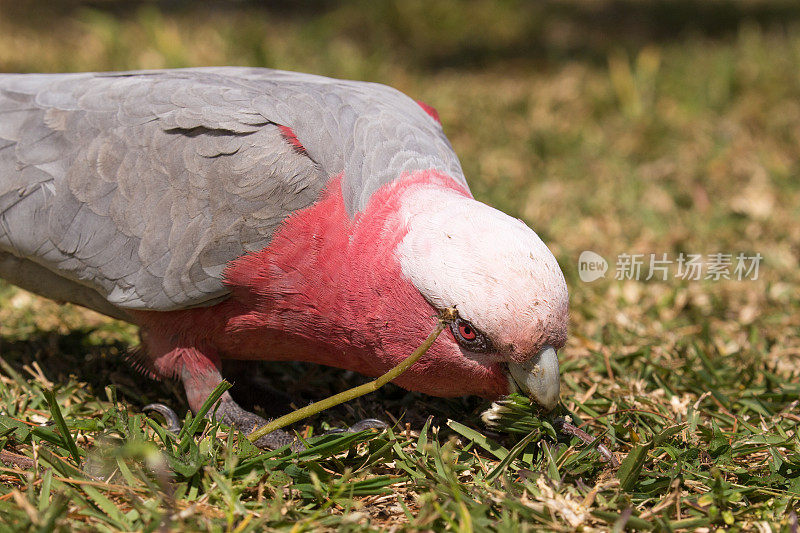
(361, 425)
(246, 422)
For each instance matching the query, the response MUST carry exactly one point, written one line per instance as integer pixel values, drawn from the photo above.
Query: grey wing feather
(134, 190)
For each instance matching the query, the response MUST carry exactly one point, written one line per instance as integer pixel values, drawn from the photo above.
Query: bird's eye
(468, 337)
(466, 332)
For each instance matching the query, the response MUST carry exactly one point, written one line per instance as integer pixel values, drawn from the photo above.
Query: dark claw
(367, 423)
(274, 440)
(172, 420)
(361, 425)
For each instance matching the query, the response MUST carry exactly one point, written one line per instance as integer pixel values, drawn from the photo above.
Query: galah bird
(256, 214)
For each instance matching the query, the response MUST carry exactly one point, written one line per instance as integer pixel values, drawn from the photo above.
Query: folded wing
(134, 190)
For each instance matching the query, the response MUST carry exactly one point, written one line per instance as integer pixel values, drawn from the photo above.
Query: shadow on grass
(97, 365)
(270, 388)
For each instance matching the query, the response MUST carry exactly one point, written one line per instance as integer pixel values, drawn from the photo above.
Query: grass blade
(515, 451)
(478, 438)
(69, 442)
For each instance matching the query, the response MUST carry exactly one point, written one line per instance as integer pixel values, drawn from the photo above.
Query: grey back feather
(134, 190)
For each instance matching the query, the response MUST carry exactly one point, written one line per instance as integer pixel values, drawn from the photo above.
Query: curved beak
(538, 378)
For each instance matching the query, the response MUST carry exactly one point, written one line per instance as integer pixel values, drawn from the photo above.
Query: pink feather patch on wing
(291, 138)
(430, 111)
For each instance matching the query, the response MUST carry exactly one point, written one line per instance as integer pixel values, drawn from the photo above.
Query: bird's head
(449, 250)
(507, 287)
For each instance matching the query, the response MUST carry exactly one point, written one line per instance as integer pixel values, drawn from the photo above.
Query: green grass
(664, 128)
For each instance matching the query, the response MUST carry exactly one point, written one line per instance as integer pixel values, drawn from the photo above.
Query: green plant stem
(355, 392)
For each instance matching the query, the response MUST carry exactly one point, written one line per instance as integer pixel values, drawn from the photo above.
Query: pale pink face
(507, 287)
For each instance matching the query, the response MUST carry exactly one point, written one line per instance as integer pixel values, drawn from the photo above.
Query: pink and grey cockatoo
(255, 214)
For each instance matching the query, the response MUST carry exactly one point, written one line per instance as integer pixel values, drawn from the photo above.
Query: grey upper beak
(539, 377)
